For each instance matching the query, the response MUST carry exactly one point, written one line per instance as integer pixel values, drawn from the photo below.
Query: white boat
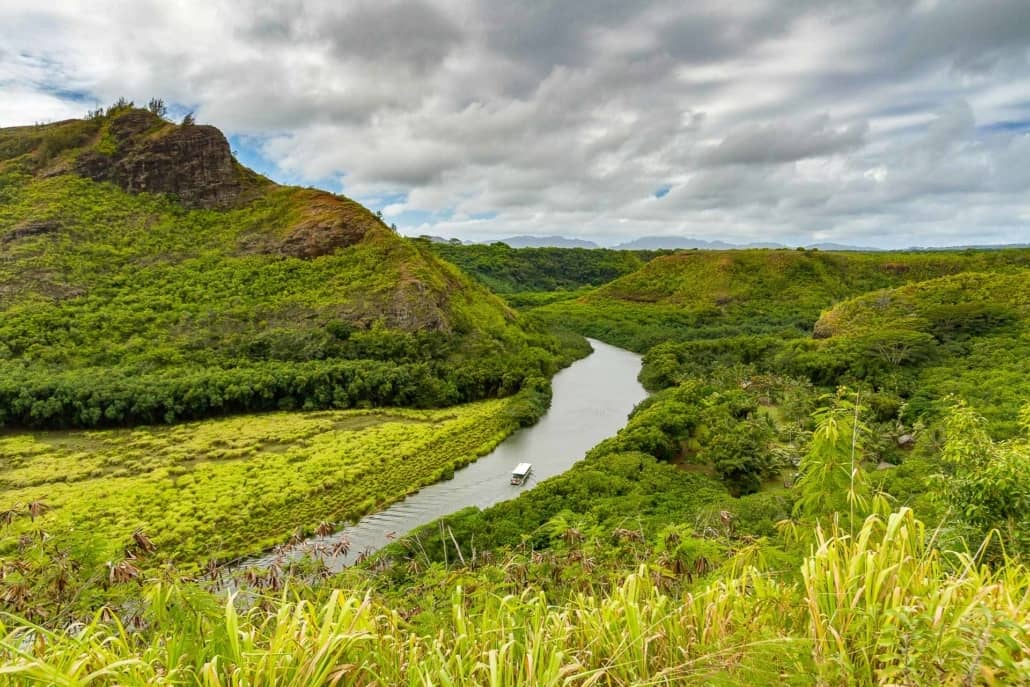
(521, 473)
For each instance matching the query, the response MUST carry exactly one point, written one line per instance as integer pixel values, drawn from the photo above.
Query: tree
(987, 483)
(157, 106)
(897, 348)
(831, 477)
(739, 452)
(120, 105)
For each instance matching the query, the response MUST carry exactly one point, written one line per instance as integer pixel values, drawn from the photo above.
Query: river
(592, 400)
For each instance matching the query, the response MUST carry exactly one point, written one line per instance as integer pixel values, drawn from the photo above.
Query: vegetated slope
(966, 304)
(147, 276)
(518, 271)
(711, 294)
(967, 335)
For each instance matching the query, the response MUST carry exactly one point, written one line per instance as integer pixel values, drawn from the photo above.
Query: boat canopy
(522, 469)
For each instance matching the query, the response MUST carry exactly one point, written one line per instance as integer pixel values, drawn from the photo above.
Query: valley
(252, 435)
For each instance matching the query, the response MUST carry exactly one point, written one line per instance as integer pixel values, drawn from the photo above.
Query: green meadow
(223, 488)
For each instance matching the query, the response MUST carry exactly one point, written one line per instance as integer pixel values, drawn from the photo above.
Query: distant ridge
(545, 242)
(842, 246)
(973, 246)
(655, 243)
(690, 243)
(685, 242)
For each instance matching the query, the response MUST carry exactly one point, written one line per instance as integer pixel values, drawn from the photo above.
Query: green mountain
(714, 294)
(147, 276)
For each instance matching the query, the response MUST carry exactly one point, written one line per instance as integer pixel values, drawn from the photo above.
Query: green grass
(224, 488)
(878, 608)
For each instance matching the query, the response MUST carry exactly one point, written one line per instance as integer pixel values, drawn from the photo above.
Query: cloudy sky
(870, 122)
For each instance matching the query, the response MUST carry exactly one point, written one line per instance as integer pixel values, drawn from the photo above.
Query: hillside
(517, 272)
(966, 335)
(147, 276)
(710, 294)
(972, 303)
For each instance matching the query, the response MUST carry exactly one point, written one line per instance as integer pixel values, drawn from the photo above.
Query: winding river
(592, 400)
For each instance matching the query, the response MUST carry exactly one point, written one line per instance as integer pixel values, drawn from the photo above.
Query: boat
(521, 473)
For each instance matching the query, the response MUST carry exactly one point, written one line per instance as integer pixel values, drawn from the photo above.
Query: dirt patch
(327, 223)
(30, 229)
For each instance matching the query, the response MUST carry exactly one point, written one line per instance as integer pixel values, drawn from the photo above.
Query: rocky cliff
(144, 153)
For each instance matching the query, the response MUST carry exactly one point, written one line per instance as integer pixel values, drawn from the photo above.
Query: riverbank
(591, 401)
(219, 489)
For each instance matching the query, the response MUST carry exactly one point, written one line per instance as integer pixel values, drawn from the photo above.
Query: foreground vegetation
(873, 601)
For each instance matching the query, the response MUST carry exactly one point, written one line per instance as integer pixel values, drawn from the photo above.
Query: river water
(592, 401)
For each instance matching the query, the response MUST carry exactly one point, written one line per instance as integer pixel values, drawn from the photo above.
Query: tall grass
(883, 607)
(886, 608)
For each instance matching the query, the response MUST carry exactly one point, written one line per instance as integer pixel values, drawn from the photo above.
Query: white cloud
(21, 105)
(897, 123)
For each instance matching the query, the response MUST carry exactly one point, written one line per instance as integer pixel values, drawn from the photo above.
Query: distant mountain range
(974, 246)
(688, 243)
(685, 242)
(659, 243)
(520, 241)
(545, 242)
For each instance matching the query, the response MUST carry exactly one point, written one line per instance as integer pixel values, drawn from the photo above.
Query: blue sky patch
(1011, 126)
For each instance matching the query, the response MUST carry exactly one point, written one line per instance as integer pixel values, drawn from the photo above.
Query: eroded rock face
(328, 224)
(415, 307)
(192, 162)
(320, 236)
